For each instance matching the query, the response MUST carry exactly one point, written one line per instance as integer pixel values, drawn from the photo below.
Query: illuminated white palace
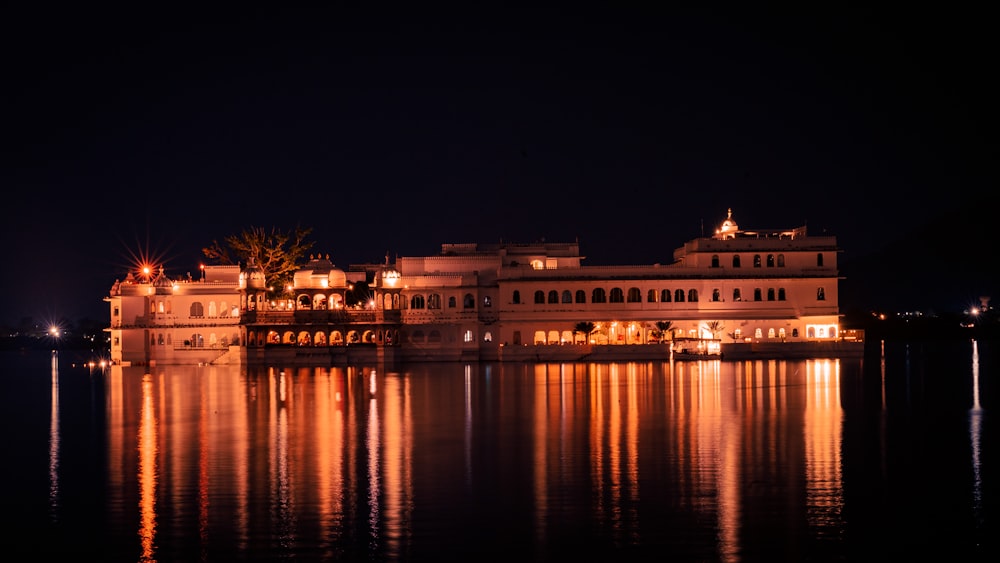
(744, 292)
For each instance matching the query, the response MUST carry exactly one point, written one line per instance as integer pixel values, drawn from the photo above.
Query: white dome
(253, 277)
(320, 273)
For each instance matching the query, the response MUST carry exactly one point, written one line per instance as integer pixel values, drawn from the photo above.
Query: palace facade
(746, 290)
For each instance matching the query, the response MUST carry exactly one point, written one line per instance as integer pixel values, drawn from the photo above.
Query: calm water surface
(885, 458)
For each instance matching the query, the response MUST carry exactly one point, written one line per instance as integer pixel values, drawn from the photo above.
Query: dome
(390, 277)
(320, 273)
(729, 227)
(253, 277)
(161, 280)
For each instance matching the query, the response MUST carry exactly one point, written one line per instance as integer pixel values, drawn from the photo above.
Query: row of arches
(196, 309)
(771, 260)
(433, 301)
(634, 295)
(345, 338)
(194, 340)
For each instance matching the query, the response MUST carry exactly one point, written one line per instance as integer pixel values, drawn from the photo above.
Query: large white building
(155, 319)
(766, 291)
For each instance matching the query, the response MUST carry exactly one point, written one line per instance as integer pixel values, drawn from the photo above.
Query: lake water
(890, 457)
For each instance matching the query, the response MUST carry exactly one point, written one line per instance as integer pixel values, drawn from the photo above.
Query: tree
(715, 327)
(586, 327)
(665, 327)
(277, 253)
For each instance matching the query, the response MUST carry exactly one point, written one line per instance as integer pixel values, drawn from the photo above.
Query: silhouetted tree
(277, 253)
(586, 327)
(715, 327)
(665, 327)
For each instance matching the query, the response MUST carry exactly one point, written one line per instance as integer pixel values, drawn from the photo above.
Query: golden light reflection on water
(147, 449)
(54, 439)
(307, 455)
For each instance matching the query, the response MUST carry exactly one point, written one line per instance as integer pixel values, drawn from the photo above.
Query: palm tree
(715, 327)
(664, 327)
(586, 327)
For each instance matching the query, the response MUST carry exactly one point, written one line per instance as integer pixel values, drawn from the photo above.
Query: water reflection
(707, 459)
(147, 471)
(54, 438)
(975, 434)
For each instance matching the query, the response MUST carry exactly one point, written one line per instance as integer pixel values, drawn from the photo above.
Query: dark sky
(157, 133)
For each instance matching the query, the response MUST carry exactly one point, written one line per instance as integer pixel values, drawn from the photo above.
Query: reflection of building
(538, 301)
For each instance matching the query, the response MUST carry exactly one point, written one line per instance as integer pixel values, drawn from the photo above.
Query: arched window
(567, 297)
(417, 302)
(736, 260)
(517, 297)
(617, 295)
(756, 260)
(651, 296)
(770, 294)
(434, 301)
(820, 295)
(598, 296)
(770, 260)
(665, 296)
(715, 260)
(553, 296)
(581, 296)
(692, 295)
(819, 259)
(634, 296)
(469, 302)
(737, 296)
(452, 302)
(781, 294)
(716, 295)
(679, 295)
(757, 295)
(197, 309)
(539, 297)
(781, 260)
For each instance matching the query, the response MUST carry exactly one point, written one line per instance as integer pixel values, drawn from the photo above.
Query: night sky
(157, 133)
